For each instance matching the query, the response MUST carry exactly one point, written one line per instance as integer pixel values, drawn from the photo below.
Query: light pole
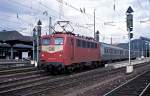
(142, 50)
(145, 49)
(93, 24)
(138, 48)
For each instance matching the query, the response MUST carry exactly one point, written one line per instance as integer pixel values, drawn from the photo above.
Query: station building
(15, 45)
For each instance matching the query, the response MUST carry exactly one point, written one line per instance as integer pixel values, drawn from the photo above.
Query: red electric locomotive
(65, 50)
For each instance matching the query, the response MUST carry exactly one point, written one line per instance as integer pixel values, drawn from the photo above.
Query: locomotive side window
(92, 45)
(59, 41)
(95, 45)
(45, 41)
(83, 44)
(78, 43)
(88, 44)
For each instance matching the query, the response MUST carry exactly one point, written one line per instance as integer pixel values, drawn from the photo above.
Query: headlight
(42, 55)
(60, 55)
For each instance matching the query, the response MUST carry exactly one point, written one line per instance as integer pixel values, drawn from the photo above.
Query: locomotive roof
(71, 35)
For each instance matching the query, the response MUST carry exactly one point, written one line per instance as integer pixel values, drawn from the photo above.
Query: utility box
(25, 55)
(129, 69)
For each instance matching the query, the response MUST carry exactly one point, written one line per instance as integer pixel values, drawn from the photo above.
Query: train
(67, 51)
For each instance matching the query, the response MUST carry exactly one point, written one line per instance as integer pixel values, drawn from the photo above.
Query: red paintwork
(71, 54)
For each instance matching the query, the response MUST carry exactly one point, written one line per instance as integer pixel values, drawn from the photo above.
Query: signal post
(129, 68)
(37, 43)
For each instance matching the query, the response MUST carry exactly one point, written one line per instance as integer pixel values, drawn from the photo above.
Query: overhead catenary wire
(40, 10)
(37, 11)
(49, 15)
(76, 24)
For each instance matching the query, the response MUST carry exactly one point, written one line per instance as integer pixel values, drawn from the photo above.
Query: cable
(37, 10)
(16, 18)
(51, 9)
(2, 19)
(20, 4)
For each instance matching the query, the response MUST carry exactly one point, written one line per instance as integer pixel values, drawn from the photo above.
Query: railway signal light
(129, 22)
(97, 35)
(34, 45)
(129, 19)
(131, 35)
(38, 41)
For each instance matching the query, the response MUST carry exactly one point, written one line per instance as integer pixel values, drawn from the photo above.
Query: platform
(125, 63)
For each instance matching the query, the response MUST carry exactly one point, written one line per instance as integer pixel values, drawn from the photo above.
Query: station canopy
(14, 37)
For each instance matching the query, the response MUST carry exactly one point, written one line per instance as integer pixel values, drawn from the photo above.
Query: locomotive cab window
(59, 41)
(45, 41)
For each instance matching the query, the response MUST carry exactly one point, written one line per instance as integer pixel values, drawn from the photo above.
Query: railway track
(146, 91)
(14, 65)
(32, 82)
(19, 74)
(84, 79)
(133, 87)
(36, 86)
(14, 77)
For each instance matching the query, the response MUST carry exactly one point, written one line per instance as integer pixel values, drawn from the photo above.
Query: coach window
(45, 41)
(109, 51)
(104, 50)
(116, 52)
(121, 52)
(59, 41)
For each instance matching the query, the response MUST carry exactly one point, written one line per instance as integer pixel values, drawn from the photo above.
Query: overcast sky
(22, 15)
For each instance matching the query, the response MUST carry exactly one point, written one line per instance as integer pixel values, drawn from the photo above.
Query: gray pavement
(125, 63)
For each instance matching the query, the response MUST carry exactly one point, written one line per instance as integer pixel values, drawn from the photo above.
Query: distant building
(14, 45)
(142, 45)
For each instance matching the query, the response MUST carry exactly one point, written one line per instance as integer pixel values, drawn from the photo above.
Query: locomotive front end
(52, 52)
